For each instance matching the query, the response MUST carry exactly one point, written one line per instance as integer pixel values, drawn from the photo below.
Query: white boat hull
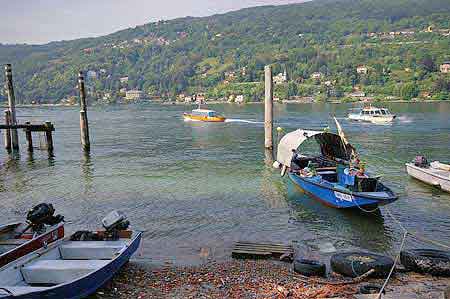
(372, 119)
(432, 176)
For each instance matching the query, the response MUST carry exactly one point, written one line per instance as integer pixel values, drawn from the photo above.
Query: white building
(362, 70)
(445, 67)
(280, 78)
(316, 75)
(91, 74)
(124, 79)
(134, 95)
(239, 99)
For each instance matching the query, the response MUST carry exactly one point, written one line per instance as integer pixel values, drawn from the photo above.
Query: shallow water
(194, 188)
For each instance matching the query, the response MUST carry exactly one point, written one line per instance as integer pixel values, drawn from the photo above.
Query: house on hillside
(124, 79)
(280, 78)
(134, 95)
(316, 75)
(445, 67)
(91, 74)
(239, 99)
(362, 70)
(357, 94)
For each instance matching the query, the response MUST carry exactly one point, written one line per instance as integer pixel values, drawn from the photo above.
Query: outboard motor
(421, 161)
(113, 223)
(40, 216)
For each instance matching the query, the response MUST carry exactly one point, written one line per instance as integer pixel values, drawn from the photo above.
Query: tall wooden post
(84, 126)
(268, 108)
(48, 136)
(12, 106)
(7, 136)
(29, 138)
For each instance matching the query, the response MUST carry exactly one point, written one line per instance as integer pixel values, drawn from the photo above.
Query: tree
(292, 89)
(409, 90)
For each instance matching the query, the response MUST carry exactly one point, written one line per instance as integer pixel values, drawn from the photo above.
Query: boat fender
(283, 170)
(354, 264)
(276, 164)
(434, 262)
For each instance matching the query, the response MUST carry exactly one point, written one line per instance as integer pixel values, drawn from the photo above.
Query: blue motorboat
(335, 176)
(70, 268)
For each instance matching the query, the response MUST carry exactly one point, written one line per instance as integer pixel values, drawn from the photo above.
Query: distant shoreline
(4, 106)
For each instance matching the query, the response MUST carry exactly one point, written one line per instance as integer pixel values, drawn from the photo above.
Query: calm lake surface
(195, 188)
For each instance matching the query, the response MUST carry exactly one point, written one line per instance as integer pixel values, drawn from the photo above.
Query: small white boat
(71, 268)
(436, 174)
(372, 114)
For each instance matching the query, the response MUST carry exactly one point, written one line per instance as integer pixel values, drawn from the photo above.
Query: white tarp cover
(292, 141)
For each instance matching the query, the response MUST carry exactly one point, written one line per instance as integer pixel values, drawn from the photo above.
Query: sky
(42, 21)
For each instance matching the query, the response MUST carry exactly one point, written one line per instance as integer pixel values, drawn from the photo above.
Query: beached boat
(372, 114)
(436, 174)
(69, 268)
(329, 176)
(204, 115)
(19, 239)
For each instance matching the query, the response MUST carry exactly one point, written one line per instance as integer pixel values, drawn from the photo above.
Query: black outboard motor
(41, 215)
(421, 161)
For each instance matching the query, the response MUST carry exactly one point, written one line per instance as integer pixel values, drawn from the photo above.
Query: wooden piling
(7, 132)
(84, 125)
(48, 136)
(268, 108)
(12, 106)
(29, 138)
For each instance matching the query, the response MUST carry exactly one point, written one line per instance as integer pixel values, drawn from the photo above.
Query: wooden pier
(11, 126)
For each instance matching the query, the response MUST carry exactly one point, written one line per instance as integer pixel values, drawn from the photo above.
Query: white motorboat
(372, 114)
(436, 174)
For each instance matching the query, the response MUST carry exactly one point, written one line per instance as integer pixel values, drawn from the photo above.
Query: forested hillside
(398, 44)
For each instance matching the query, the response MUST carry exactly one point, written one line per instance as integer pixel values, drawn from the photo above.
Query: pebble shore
(245, 279)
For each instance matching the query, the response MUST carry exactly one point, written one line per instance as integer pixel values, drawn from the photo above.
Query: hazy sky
(41, 21)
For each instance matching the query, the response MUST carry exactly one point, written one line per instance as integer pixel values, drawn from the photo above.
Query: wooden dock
(251, 250)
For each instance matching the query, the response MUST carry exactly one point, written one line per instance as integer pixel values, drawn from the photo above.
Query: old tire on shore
(431, 261)
(309, 267)
(370, 289)
(355, 263)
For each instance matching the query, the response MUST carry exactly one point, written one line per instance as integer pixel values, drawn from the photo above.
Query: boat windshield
(199, 113)
(212, 114)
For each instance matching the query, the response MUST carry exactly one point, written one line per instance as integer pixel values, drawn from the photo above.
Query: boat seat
(59, 271)
(85, 250)
(326, 172)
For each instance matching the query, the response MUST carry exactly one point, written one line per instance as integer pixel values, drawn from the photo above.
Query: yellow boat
(203, 115)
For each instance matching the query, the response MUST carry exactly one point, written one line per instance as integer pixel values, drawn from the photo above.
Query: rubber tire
(309, 267)
(343, 263)
(431, 261)
(370, 289)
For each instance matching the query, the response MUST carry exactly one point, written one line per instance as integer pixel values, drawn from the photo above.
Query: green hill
(217, 54)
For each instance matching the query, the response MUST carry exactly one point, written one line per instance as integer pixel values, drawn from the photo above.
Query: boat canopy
(331, 145)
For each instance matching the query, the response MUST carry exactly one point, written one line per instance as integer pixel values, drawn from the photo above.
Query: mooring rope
(405, 235)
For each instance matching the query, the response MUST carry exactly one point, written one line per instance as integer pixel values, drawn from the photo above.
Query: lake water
(195, 188)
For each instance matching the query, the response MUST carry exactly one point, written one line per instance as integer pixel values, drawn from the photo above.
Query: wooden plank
(253, 243)
(265, 250)
(33, 128)
(264, 245)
